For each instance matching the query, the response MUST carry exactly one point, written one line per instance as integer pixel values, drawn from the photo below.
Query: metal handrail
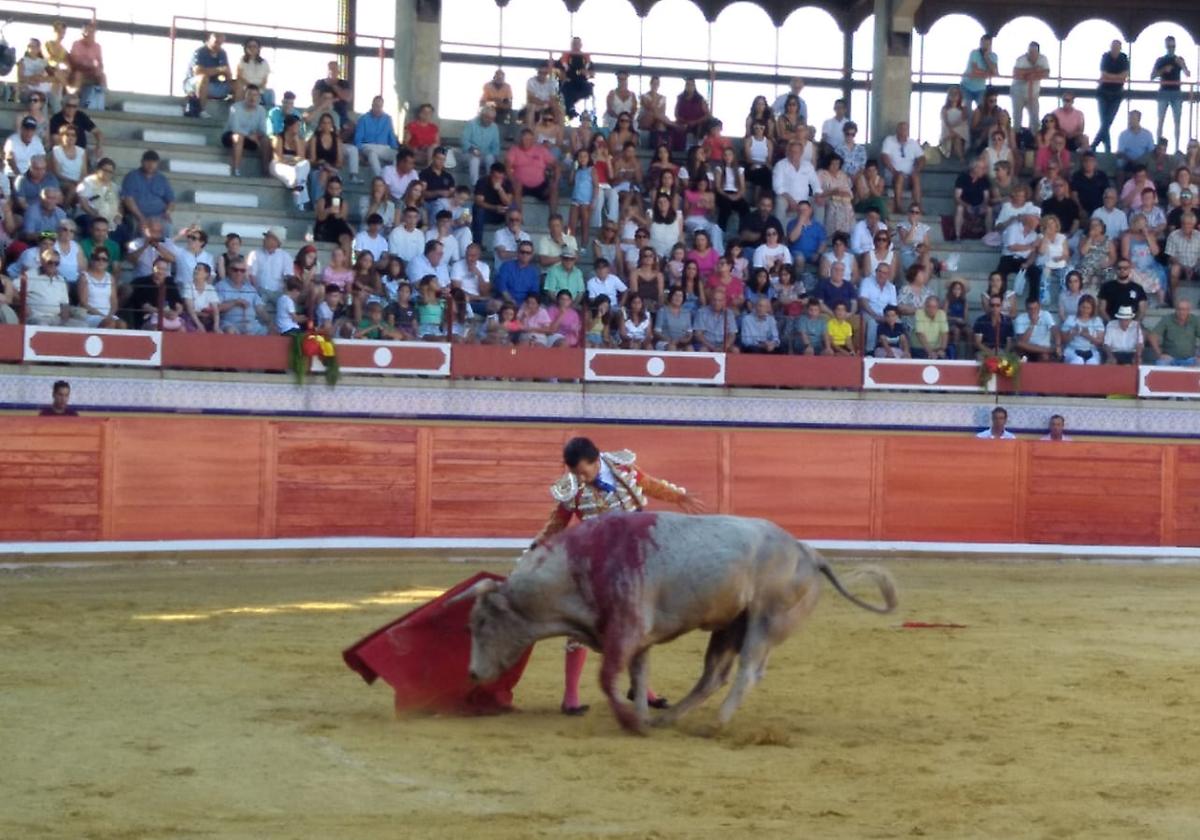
(56, 6)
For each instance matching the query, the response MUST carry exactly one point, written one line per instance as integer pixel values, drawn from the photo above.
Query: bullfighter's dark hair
(578, 450)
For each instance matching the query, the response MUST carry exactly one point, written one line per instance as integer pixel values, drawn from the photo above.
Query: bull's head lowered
(499, 635)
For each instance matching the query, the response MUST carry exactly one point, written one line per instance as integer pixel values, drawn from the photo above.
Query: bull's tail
(887, 586)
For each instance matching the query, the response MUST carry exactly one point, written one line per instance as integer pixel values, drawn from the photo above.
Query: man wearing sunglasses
(85, 130)
(902, 160)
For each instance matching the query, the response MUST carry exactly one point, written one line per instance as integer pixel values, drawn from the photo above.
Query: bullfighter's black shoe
(656, 703)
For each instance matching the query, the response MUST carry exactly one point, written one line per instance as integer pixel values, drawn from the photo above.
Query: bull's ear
(481, 588)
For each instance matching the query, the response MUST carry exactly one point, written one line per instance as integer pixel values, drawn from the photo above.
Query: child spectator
(839, 332)
(805, 334)
(599, 322)
(460, 217)
(431, 311)
(636, 327)
(330, 310)
(403, 316)
(584, 187)
(372, 239)
(372, 327)
(892, 339)
(287, 320)
(605, 283)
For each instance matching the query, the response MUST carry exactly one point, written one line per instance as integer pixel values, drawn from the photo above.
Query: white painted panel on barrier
(93, 346)
(650, 366)
(922, 375)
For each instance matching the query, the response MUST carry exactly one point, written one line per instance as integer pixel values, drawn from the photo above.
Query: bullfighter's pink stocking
(573, 671)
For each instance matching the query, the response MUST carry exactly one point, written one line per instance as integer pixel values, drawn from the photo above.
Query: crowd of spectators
(829, 254)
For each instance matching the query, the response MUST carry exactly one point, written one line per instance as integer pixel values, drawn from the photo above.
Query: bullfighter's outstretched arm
(656, 488)
(558, 521)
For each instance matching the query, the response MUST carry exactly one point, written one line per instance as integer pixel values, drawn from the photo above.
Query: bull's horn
(480, 588)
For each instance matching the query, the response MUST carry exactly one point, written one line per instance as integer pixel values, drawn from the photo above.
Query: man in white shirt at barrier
(998, 430)
(874, 295)
(902, 160)
(246, 129)
(1055, 432)
(268, 265)
(794, 180)
(1037, 335)
(430, 262)
(474, 277)
(1028, 71)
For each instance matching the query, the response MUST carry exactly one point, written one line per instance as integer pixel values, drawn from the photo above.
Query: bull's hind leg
(752, 660)
(723, 646)
(618, 653)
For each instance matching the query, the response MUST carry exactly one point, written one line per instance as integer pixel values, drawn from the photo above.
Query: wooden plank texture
(50, 478)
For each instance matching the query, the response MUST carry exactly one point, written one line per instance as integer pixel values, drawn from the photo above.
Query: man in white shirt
(541, 92)
(1037, 335)
(1028, 71)
(1018, 205)
(874, 295)
(832, 129)
(246, 129)
(189, 256)
(604, 283)
(998, 430)
(794, 180)
(407, 241)
(902, 160)
(399, 177)
(506, 239)
(372, 239)
(1057, 424)
(22, 147)
(268, 265)
(1114, 218)
(442, 232)
(430, 263)
(862, 235)
(474, 277)
(794, 89)
(1020, 245)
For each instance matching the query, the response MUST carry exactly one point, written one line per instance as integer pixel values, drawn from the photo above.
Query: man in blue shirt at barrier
(375, 137)
(146, 194)
(519, 278)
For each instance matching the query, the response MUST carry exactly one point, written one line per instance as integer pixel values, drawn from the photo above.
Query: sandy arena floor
(210, 700)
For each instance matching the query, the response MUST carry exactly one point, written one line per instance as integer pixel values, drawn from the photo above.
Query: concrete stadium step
(173, 138)
(152, 109)
(211, 218)
(225, 199)
(184, 166)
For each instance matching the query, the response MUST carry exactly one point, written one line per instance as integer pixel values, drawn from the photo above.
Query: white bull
(624, 582)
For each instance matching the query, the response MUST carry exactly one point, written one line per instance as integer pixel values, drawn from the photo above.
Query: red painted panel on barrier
(481, 360)
(95, 346)
(750, 370)
(12, 343)
(1075, 380)
(229, 352)
(925, 375)
(629, 365)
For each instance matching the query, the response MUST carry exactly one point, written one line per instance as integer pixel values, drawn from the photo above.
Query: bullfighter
(594, 484)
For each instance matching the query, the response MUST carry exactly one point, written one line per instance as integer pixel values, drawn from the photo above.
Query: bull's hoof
(656, 703)
(575, 711)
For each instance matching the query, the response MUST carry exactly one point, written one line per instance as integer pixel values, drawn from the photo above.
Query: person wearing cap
(1123, 340)
(71, 262)
(1187, 203)
(268, 265)
(285, 108)
(375, 137)
(566, 276)
(209, 75)
(620, 100)
(21, 147)
(146, 193)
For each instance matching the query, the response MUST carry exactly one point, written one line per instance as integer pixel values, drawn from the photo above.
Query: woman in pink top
(722, 278)
(704, 255)
(565, 320)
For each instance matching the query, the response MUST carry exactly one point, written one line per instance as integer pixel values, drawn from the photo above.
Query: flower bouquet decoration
(310, 345)
(1006, 365)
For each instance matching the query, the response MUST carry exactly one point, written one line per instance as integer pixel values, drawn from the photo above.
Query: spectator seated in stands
(443, 231)
(47, 298)
(68, 162)
(565, 276)
(431, 263)
(371, 238)
(839, 332)
(439, 183)
(375, 137)
(673, 324)
(459, 208)
(1070, 123)
(474, 278)
(635, 326)
(201, 301)
(536, 324)
(209, 75)
(193, 253)
(97, 293)
(86, 131)
(246, 129)
(86, 63)
(323, 154)
(972, 200)
(146, 193)
(794, 180)
(407, 240)
(332, 212)
(715, 327)
(253, 70)
(759, 331)
(931, 336)
(806, 240)
(481, 143)
(152, 293)
(903, 161)
(285, 109)
(493, 197)
(1123, 342)
(287, 320)
(422, 135)
(1036, 334)
(1083, 334)
(1174, 339)
(555, 243)
(99, 240)
(401, 176)
(575, 74)
(534, 171)
(804, 328)
(993, 330)
(242, 309)
(267, 266)
(1183, 250)
(22, 147)
(1135, 144)
(44, 216)
(891, 341)
(497, 95)
(28, 188)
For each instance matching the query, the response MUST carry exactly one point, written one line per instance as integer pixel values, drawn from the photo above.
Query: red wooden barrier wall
(186, 477)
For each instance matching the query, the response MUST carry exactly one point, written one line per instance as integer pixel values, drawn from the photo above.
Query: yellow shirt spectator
(840, 332)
